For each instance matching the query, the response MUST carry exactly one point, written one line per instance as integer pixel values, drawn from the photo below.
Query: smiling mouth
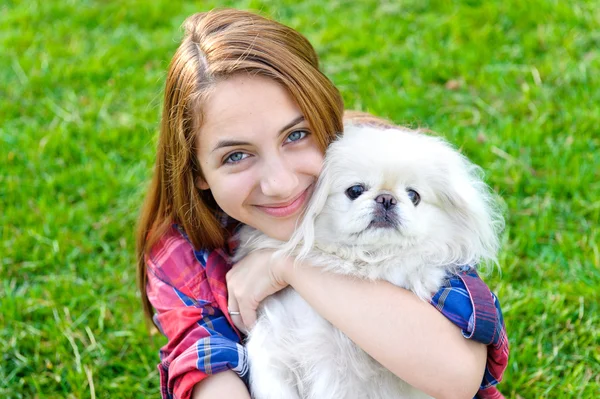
(287, 208)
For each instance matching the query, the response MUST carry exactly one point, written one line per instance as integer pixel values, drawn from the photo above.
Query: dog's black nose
(387, 201)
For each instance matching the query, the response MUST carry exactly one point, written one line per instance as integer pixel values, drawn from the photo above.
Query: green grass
(80, 95)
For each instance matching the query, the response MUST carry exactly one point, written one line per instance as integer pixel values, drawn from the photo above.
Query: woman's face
(258, 156)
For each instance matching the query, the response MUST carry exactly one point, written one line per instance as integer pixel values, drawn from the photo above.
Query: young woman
(247, 117)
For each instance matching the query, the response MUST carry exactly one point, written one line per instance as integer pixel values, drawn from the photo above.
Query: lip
(288, 208)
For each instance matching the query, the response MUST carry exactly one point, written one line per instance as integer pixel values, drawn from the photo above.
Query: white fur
(294, 353)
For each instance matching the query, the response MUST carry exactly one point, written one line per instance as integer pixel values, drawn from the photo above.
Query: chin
(390, 204)
(281, 233)
(277, 229)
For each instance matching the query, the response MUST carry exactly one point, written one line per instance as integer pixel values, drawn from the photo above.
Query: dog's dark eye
(414, 196)
(355, 191)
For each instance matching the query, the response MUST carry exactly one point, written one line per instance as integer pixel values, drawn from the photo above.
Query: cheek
(230, 192)
(436, 218)
(424, 220)
(316, 163)
(347, 217)
(309, 161)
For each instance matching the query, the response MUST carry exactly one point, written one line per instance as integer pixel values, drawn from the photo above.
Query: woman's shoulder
(172, 250)
(174, 261)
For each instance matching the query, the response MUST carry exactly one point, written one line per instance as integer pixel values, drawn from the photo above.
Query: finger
(237, 321)
(232, 306)
(232, 303)
(248, 314)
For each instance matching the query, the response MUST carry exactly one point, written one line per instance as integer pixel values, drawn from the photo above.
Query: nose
(387, 201)
(278, 179)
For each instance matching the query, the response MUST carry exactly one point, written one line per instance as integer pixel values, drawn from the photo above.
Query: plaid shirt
(187, 289)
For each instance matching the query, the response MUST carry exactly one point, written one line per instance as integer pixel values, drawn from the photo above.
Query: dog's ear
(305, 230)
(475, 212)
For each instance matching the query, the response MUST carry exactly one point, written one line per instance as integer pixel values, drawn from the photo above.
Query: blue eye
(235, 157)
(296, 135)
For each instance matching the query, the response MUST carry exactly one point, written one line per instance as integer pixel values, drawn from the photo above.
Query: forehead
(389, 155)
(245, 105)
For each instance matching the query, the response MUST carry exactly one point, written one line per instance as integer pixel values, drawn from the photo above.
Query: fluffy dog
(391, 204)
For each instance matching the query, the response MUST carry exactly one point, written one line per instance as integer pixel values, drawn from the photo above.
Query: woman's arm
(226, 384)
(405, 334)
(189, 313)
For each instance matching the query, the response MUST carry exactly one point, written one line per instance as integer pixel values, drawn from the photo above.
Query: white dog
(391, 204)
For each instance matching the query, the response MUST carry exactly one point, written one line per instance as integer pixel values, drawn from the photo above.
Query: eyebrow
(234, 143)
(292, 123)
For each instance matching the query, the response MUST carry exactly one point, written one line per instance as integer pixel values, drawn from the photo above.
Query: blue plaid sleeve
(468, 303)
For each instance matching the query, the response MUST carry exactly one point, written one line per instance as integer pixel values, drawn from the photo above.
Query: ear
(305, 231)
(201, 183)
(476, 213)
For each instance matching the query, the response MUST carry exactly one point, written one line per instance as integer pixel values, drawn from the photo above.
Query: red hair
(215, 46)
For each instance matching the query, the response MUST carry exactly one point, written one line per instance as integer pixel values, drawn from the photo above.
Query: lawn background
(515, 84)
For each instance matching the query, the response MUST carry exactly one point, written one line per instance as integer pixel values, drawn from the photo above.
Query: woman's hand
(250, 281)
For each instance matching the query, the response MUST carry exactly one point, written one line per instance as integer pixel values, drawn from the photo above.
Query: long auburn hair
(215, 46)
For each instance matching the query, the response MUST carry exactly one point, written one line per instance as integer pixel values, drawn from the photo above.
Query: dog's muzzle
(385, 214)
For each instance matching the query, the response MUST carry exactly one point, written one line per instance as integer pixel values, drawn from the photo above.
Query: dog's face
(385, 186)
(403, 188)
